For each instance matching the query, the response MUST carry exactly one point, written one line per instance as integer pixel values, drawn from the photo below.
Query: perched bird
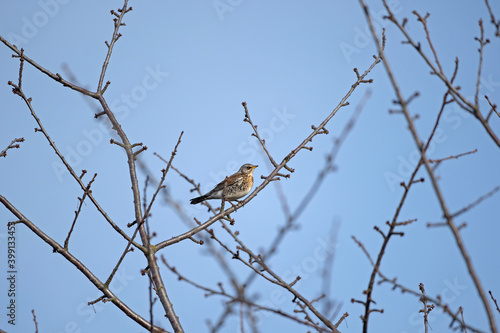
(237, 186)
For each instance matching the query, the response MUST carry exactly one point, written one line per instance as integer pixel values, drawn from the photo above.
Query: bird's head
(247, 168)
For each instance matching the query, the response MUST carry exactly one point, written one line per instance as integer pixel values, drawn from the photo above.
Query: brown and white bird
(237, 186)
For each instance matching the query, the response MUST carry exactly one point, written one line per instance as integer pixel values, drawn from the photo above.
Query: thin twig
(327, 275)
(426, 309)
(77, 212)
(493, 108)
(428, 36)
(34, 320)
(118, 21)
(127, 250)
(256, 134)
(462, 314)
(12, 145)
(363, 248)
(242, 321)
(493, 20)
(452, 156)
(476, 202)
(164, 175)
(494, 301)
(482, 43)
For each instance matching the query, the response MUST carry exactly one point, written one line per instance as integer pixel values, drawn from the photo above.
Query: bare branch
(493, 108)
(34, 320)
(426, 309)
(477, 202)
(493, 20)
(57, 248)
(256, 134)
(364, 250)
(55, 77)
(116, 35)
(462, 314)
(482, 43)
(428, 36)
(164, 175)
(452, 156)
(425, 161)
(494, 301)
(77, 212)
(13, 144)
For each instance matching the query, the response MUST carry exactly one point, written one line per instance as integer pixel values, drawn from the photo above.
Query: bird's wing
(233, 180)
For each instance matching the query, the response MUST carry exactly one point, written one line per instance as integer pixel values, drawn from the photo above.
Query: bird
(237, 186)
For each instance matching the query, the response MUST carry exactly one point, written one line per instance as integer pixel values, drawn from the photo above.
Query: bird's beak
(254, 166)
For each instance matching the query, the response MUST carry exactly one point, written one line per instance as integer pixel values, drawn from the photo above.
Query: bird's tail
(194, 201)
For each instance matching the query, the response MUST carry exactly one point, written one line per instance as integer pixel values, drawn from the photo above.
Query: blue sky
(188, 66)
